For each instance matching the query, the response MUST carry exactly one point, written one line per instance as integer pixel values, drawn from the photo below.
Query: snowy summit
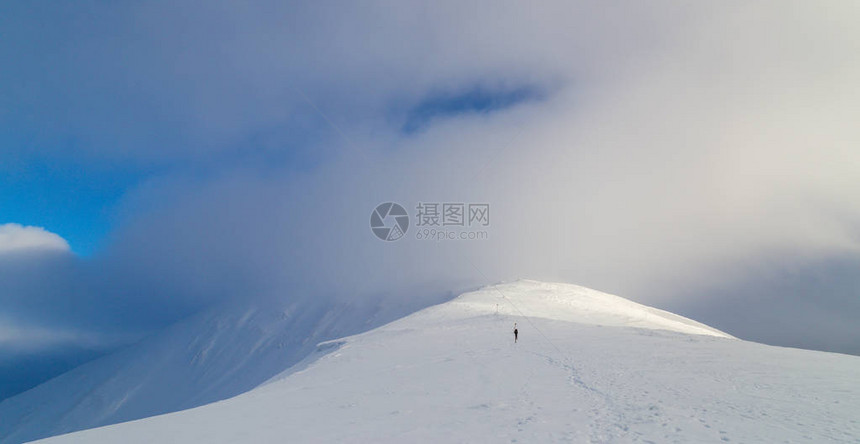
(572, 303)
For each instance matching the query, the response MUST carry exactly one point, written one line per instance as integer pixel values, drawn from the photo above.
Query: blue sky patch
(476, 100)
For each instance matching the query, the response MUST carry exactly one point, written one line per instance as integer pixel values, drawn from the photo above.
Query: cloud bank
(663, 152)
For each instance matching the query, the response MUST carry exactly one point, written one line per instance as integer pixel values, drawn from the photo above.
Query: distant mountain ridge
(217, 354)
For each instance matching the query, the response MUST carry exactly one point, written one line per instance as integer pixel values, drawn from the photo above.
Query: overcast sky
(158, 157)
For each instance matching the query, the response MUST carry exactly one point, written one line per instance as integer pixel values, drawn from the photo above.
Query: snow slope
(218, 354)
(588, 367)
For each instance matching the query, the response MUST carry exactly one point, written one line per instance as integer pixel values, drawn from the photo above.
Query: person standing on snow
(516, 333)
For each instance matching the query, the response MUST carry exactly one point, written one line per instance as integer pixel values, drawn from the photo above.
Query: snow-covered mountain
(588, 367)
(218, 354)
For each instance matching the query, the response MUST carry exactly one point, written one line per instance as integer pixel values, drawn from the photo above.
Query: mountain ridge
(452, 372)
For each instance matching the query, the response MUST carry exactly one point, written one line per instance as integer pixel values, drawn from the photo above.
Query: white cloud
(19, 238)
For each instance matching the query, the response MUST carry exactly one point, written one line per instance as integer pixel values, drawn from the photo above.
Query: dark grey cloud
(812, 304)
(177, 81)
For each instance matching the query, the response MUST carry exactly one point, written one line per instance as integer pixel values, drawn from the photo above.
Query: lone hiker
(516, 332)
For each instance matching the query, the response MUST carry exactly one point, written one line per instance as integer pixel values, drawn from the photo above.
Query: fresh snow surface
(588, 367)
